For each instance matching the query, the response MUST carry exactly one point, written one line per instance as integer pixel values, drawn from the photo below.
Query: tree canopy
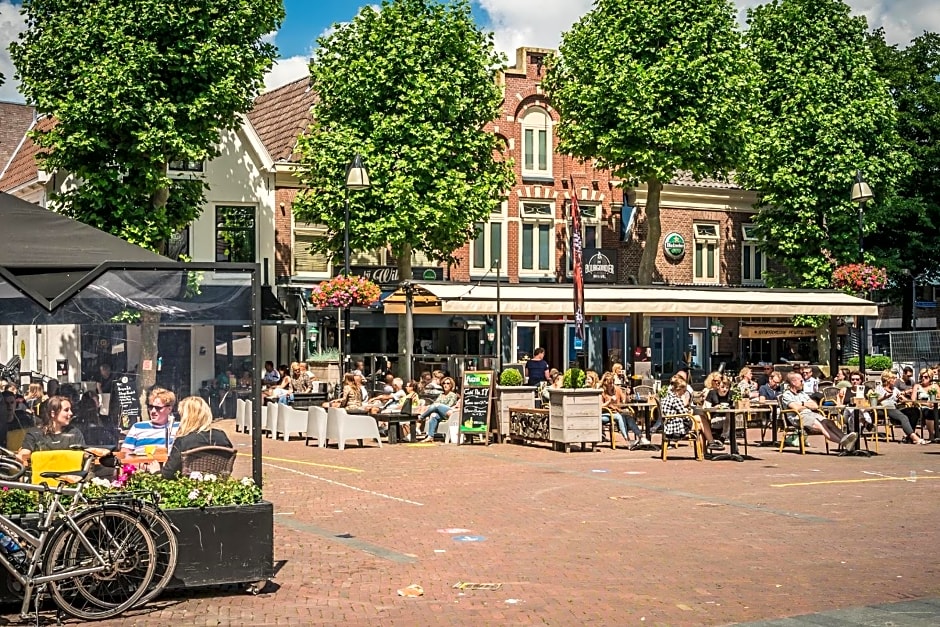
(912, 215)
(133, 85)
(650, 88)
(410, 87)
(821, 113)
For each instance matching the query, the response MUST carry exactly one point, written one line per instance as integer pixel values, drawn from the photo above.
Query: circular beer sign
(674, 245)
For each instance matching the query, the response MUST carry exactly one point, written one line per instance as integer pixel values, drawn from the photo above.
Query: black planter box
(223, 545)
(228, 544)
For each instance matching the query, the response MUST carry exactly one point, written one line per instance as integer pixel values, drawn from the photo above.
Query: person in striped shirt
(160, 430)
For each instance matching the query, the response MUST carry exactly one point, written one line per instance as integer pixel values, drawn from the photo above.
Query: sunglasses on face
(157, 407)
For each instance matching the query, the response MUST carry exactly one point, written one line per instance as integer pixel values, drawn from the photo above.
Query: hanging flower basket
(859, 277)
(345, 291)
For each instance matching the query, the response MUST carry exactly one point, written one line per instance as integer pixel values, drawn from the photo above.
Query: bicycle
(95, 563)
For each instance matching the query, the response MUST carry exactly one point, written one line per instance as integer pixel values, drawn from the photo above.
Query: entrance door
(524, 338)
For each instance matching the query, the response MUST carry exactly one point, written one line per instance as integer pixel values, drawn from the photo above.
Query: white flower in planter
(246, 481)
(209, 477)
(193, 495)
(196, 475)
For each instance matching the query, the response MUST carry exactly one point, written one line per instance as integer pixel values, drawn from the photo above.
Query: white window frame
(536, 123)
(587, 220)
(488, 253)
(537, 219)
(310, 230)
(752, 254)
(706, 245)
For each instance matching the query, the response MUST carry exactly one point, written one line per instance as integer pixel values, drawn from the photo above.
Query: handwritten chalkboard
(125, 404)
(475, 402)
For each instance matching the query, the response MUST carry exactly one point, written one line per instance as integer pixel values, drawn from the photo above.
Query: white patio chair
(342, 426)
(290, 420)
(239, 415)
(248, 416)
(270, 419)
(316, 426)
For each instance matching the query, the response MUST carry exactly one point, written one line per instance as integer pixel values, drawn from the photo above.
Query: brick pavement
(609, 537)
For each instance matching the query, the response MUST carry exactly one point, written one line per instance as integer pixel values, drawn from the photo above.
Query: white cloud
(11, 25)
(286, 71)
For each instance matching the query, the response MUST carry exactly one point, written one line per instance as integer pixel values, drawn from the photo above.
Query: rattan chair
(795, 427)
(695, 436)
(216, 460)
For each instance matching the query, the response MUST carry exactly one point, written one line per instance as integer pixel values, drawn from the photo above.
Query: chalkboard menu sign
(125, 404)
(475, 402)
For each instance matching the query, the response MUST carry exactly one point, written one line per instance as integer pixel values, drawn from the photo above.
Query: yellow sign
(22, 349)
(755, 333)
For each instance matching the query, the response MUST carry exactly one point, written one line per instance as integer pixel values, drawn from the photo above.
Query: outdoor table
(731, 413)
(394, 425)
(646, 407)
(159, 456)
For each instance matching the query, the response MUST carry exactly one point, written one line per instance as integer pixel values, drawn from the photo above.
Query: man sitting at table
(160, 430)
(770, 390)
(799, 401)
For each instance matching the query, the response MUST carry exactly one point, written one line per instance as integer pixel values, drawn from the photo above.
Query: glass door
(524, 338)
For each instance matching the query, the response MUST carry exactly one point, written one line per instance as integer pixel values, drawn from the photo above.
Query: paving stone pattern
(587, 538)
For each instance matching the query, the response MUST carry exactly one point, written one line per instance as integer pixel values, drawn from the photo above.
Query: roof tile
(281, 116)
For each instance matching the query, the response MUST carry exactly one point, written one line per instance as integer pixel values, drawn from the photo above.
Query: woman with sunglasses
(888, 396)
(921, 392)
(441, 408)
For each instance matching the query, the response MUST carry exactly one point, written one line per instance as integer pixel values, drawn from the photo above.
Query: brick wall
(283, 229)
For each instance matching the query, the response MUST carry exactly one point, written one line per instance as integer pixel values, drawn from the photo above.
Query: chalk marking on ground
(297, 461)
(840, 481)
(346, 485)
(354, 543)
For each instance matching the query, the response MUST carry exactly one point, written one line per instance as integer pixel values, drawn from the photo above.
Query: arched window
(537, 143)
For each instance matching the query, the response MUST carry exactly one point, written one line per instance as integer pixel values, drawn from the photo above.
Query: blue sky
(514, 23)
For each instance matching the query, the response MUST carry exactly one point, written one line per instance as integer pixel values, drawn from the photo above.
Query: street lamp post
(357, 179)
(861, 194)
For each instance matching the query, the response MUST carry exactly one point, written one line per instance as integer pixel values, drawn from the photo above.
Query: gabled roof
(17, 118)
(281, 116)
(23, 168)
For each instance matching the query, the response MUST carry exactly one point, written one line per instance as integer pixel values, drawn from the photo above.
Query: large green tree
(650, 88)
(133, 85)
(822, 112)
(410, 87)
(912, 215)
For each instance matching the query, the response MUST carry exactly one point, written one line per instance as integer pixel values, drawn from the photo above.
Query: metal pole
(863, 321)
(256, 364)
(499, 323)
(346, 330)
(407, 372)
(913, 302)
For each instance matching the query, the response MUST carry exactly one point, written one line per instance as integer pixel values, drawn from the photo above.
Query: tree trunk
(650, 247)
(653, 233)
(823, 345)
(404, 333)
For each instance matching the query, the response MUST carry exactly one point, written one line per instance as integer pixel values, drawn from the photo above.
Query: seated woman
(921, 392)
(299, 379)
(746, 383)
(195, 431)
(888, 395)
(720, 397)
(34, 397)
(283, 391)
(350, 398)
(612, 397)
(438, 410)
(55, 431)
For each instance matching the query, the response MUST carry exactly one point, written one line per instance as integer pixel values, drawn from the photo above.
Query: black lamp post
(861, 194)
(357, 179)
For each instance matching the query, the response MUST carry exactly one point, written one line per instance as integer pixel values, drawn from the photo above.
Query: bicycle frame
(29, 580)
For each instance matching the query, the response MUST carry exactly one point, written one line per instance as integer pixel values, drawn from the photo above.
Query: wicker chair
(216, 460)
(793, 425)
(695, 436)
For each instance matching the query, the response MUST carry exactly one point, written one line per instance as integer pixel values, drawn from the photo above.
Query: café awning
(623, 300)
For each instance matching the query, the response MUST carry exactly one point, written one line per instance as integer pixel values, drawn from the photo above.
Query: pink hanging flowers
(345, 291)
(859, 277)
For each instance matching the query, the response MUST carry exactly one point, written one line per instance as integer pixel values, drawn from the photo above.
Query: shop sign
(388, 275)
(763, 332)
(674, 245)
(601, 266)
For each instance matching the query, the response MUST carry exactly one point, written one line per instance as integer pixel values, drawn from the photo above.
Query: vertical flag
(577, 264)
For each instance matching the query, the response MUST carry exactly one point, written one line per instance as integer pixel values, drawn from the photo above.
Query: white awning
(555, 299)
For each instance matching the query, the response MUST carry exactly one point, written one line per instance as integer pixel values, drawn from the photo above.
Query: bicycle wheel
(166, 547)
(128, 550)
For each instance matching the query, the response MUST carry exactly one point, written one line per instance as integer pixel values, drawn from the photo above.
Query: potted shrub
(325, 365)
(511, 393)
(574, 411)
(874, 364)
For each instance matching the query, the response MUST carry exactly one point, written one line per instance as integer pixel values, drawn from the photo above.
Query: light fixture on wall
(716, 328)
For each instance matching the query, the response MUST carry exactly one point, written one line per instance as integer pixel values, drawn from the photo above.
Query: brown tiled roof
(23, 167)
(15, 119)
(685, 179)
(281, 116)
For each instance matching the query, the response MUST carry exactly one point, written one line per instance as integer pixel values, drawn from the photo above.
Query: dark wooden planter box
(222, 545)
(217, 545)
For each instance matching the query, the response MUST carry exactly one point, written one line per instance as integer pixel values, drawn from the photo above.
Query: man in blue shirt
(160, 430)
